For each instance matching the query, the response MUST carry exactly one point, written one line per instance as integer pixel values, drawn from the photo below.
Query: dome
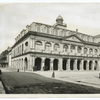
(59, 18)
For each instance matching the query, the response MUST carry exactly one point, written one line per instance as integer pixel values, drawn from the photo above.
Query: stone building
(42, 46)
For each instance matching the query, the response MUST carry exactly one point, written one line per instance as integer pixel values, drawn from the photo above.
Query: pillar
(81, 64)
(68, 64)
(75, 64)
(93, 64)
(43, 42)
(51, 63)
(82, 50)
(23, 64)
(42, 63)
(98, 66)
(52, 47)
(87, 65)
(76, 49)
(69, 48)
(60, 64)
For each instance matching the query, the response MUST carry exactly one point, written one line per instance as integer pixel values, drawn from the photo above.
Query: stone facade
(55, 47)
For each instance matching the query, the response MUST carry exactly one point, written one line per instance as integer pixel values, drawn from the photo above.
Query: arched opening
(38, 63)
(85, 50)
(38, 45)
(56, 46)
(79, 49)
(48, 46)
(47, 64)
(55, 64)
(96, 65)
(90, 65)
(26, 63)
(64, 64)
(73, 49)
(78, 64)
(65, 47)
(72, 64)
(95, 51)
(84, 66)
(90, 51)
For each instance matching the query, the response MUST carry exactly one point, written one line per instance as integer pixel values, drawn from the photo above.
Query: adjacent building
(54, 47)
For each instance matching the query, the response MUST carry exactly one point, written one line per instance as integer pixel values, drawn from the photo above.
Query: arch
(47, 64)
(26, 63)
(72, 48)
(95, 51)
(79, 49)
(26, 43)
(96, 65)
(38, 43)
(84, 66)
(85, 50)
(72, 64)
(90, 65)
(65, 47)
(55, 64)
(48, 46)
(64, 64)
(78, 64)
(90, 51)
(56, 46)
(38, 63)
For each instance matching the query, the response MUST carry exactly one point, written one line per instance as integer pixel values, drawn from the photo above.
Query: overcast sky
(15, 17)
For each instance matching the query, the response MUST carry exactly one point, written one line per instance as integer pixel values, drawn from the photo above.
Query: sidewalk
(2, 91)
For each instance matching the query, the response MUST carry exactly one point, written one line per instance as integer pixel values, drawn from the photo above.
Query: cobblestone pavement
(2, 91)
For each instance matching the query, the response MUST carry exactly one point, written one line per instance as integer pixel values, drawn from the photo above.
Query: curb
(5, 88)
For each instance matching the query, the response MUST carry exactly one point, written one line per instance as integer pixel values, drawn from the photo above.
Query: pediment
(73, 38)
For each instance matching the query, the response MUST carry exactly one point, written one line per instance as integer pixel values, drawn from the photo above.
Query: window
(79, 49)
(72, 48)
(48, 46)
(90, 51)
(26, 44)
(95, 51)
(38, 43)
(65, 47)
(56, 46)
(85, 50)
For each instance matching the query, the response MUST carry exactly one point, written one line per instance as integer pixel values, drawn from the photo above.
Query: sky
(14, 17)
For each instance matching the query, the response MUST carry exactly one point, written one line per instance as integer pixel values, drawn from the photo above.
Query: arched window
(48, 46)
(38, 45)
(95, 51)
(90, 51)
(79, 49)
(72, 48)
(26, 44)
(65, 47)
(85, 50)
(56, 46)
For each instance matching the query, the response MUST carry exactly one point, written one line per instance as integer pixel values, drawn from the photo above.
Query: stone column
(60, 64)
(23, 64)
(51, 63)
(98, 65)
(68, 64)
(42, 63)
(87, 65)
(31, 63)
(31, 43)
(75, 64)
(81, 64)
(93, 64)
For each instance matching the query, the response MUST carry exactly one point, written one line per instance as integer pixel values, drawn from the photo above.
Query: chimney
(76, 30)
